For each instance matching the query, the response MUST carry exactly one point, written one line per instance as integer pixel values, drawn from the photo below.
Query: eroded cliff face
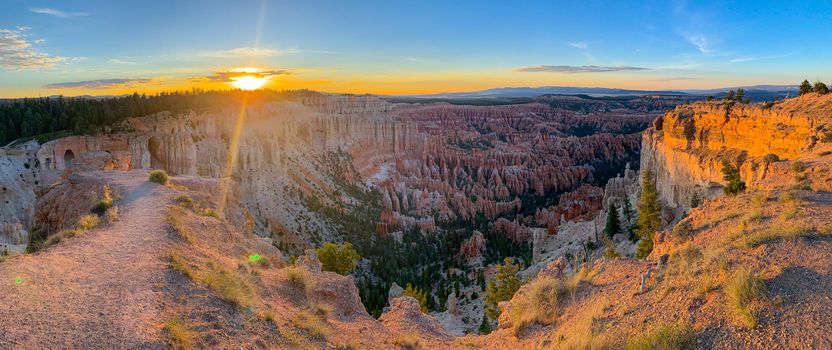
(686, 147)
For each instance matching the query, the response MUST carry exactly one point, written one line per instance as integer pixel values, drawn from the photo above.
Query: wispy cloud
(247, 52)
(415, 59)
(759, 58)
(57, 13)
(230, 75)
(16, 53)
(578, 69)
(674, 79)
(700, 42)
(579, 45)
(98, 84)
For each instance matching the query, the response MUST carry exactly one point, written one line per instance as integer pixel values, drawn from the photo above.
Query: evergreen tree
(627, 208)
(485, 327)
(502, 287)
(740, 94)
(729, 96)
(695, 201)
(731, 174)
(649, 214)
(805, 87)
(341, 259)
(420, 295)
(820, 88)
(613, 225)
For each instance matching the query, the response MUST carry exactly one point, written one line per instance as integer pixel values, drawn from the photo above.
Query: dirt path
(99, 290)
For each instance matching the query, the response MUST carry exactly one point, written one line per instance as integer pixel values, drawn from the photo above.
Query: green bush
(731, 174)
(420, 295)
(159, 177)
(341, 259)
(184, 201)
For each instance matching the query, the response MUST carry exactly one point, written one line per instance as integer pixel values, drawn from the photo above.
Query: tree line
(38, 117)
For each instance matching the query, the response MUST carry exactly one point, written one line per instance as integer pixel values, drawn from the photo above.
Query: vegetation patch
(174, 219)
(230, 285)
(178, 335)
(407, 341)
(159, 176)
(88, 222)
(314, 324)
(676, 336)
(743, 291)
(341, 259)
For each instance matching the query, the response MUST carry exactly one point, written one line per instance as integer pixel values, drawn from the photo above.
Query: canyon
(472, 185)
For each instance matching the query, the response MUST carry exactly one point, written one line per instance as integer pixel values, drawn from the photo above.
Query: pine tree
(502, 287)
(627, 208)
(731, 174)
(613, 225)
(485, 327)
(805, 87)
(695, 201)
(729, 96)
(649, 214)
(820, 88)
(740, 94)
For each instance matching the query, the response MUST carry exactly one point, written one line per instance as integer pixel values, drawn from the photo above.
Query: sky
(110, 47)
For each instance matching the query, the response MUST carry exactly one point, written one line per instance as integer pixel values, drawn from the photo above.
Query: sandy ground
(96, 290)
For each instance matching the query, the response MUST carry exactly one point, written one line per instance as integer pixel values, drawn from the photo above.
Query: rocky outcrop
(685, 148)
(473, 247)
(406, 317)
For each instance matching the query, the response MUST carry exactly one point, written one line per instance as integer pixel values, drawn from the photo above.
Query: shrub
(178, 335)
(341, 259)
(676, 336)
(771, 158)
(683, 229)
(211, 212)
(88, 222)
(159, 177)
(820, 88)
(407, 341)
(742, 290)
(502, 287)
(798, 166)
(644, 247)
(420, 295)
(184, 201)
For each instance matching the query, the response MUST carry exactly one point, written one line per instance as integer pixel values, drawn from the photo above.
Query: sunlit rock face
(685, 148)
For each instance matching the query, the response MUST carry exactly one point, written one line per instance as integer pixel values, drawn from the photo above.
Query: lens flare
(248, 82)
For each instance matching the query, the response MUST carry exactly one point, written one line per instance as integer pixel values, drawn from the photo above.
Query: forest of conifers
(50, 117)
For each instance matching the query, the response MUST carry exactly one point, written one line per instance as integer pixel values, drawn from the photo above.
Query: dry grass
(297, 277)
(781, 230)
(407, 341)
(174, 219)
(587, 330)
(88, 222)
(100, 206)
(230, 285)
(669, 336)
(210, 212)
(791, 205)
(743, 291)
(112, 214)
(178, 335)
(312, 323)
(184, 201)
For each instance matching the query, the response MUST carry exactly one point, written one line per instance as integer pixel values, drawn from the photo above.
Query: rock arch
(69, 156)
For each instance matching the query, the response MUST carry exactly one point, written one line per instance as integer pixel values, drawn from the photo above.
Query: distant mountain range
(755, 92)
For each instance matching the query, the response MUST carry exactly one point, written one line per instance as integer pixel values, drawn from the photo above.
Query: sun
(248, 82)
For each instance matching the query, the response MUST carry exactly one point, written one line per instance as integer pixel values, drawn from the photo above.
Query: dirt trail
(99, 290)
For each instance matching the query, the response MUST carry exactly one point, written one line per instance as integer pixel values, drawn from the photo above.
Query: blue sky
(100, 47)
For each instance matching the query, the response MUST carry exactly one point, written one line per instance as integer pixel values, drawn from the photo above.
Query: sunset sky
(408, 47)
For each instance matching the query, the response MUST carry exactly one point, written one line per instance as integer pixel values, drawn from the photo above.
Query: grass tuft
(178, 335)
(314, 324)
(88, 222)
(407, 341)
(174, 219)
(742, 290)
(675, 336)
